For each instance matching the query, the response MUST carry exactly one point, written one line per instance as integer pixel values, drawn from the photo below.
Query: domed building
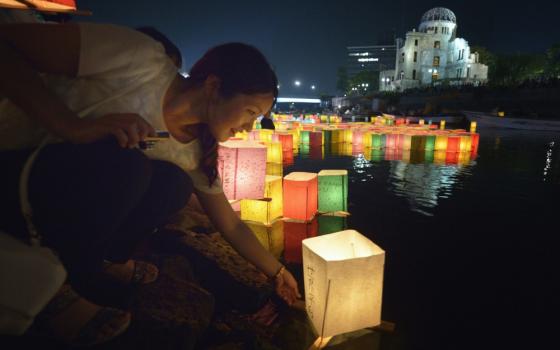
(434, 54)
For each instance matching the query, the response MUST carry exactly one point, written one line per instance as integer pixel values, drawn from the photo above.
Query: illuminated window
(436, 61)
(415, 56)
(436, 44)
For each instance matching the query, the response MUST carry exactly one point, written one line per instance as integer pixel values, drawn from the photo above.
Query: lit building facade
(375, 58)
(433, 54)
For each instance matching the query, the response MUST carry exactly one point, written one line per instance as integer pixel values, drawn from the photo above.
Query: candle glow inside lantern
(274, 152)
(343, 278)
(242, 168)
(333, 190)
(267, 209)
(286, 139)
(300, 195)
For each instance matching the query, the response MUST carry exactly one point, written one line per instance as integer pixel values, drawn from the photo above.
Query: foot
(132, 272)
(76, 321)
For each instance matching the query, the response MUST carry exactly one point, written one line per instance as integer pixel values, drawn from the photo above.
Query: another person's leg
(81, 195)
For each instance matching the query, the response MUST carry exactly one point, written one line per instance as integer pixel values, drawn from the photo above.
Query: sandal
(106, 324)
(143, 272)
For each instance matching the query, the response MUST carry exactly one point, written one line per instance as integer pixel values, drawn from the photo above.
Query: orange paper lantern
(300, 195)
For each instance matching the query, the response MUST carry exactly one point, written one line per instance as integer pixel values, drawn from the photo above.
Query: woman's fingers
(121, 136)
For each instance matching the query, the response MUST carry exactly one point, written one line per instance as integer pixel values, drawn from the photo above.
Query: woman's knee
(172, 182)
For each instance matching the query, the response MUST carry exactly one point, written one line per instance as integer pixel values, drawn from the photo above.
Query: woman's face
(237, 113)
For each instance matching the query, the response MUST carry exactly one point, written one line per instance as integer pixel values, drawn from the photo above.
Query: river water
(470, 245)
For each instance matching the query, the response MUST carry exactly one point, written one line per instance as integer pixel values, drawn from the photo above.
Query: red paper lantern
(300, 195)
(453, 144)
(316, 138)
(286, 139)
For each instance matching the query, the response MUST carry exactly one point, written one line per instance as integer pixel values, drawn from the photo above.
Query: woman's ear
(212, 86)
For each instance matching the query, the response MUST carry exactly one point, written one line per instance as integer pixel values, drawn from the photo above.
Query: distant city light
(297, 83)
(298, 100)
(312, 87)
(368, 59)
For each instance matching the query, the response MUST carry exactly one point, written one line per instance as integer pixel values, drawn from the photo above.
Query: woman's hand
(128, 128)
(287, 287)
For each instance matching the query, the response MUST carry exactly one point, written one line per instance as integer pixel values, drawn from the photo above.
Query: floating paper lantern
(418, 143)
(442, 125)
(475, 142)
(304, 137)
(276, 169)
(439, 157)
(300, 195)
(428, 156)
(441, 143)
(265, 210)
(473, 126)
(315, 138)
(242, 168)
(421, 122)
(452, 158)
(464, 158)
(376, 141)
(274, 152)
(391, 141)
(316, 152)
(288, 157)
(286, 139)
(407, 142)
(270, 237)
(333, 190)
(331, 223)
(430, 143)
(376, 155)
(465, 143)
(294, 234)
(453, 144)
(343, 278)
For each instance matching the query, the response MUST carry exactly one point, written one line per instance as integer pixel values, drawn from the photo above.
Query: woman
(94, 198)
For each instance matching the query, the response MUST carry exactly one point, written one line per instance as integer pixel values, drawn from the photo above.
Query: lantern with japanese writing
(343, 278)
(300, 195)
(242, 168)
(333, 190)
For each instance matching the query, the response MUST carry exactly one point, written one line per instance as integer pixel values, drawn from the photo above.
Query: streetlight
(312, 87)
(297, 83)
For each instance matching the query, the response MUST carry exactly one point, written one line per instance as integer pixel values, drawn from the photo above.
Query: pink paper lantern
(242, 168)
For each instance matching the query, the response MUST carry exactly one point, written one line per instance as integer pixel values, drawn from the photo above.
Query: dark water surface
(471, 255)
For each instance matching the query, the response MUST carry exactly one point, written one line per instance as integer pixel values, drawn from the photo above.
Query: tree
(511, 70)
(552, 65)
(485, 57)
(342, 80)
(364, 83)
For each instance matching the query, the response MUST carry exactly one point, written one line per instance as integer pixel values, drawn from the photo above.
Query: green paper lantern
(329, 224)
(376, 155)
(376, 142)
(430, 143)
(333, 190)
(327, 137)
(429, 156)
(304, 137)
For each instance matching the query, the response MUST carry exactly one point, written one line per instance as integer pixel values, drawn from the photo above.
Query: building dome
(439, 14)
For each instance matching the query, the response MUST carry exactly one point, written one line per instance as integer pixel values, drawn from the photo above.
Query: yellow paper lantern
(439, 157)
(270, 237)
(276, 169)
(343, 278)
(407, 142)
(421, 122)
(442, 125)
(465, 143)
(473, 126)
(267, 209)
(441, 143)
(274, 152)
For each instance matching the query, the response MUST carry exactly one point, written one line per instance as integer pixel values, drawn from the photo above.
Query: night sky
(307, 40)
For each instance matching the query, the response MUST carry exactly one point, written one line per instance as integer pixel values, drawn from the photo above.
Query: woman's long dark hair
(242, 69)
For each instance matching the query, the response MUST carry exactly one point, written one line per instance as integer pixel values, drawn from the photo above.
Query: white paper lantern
(343, 278)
